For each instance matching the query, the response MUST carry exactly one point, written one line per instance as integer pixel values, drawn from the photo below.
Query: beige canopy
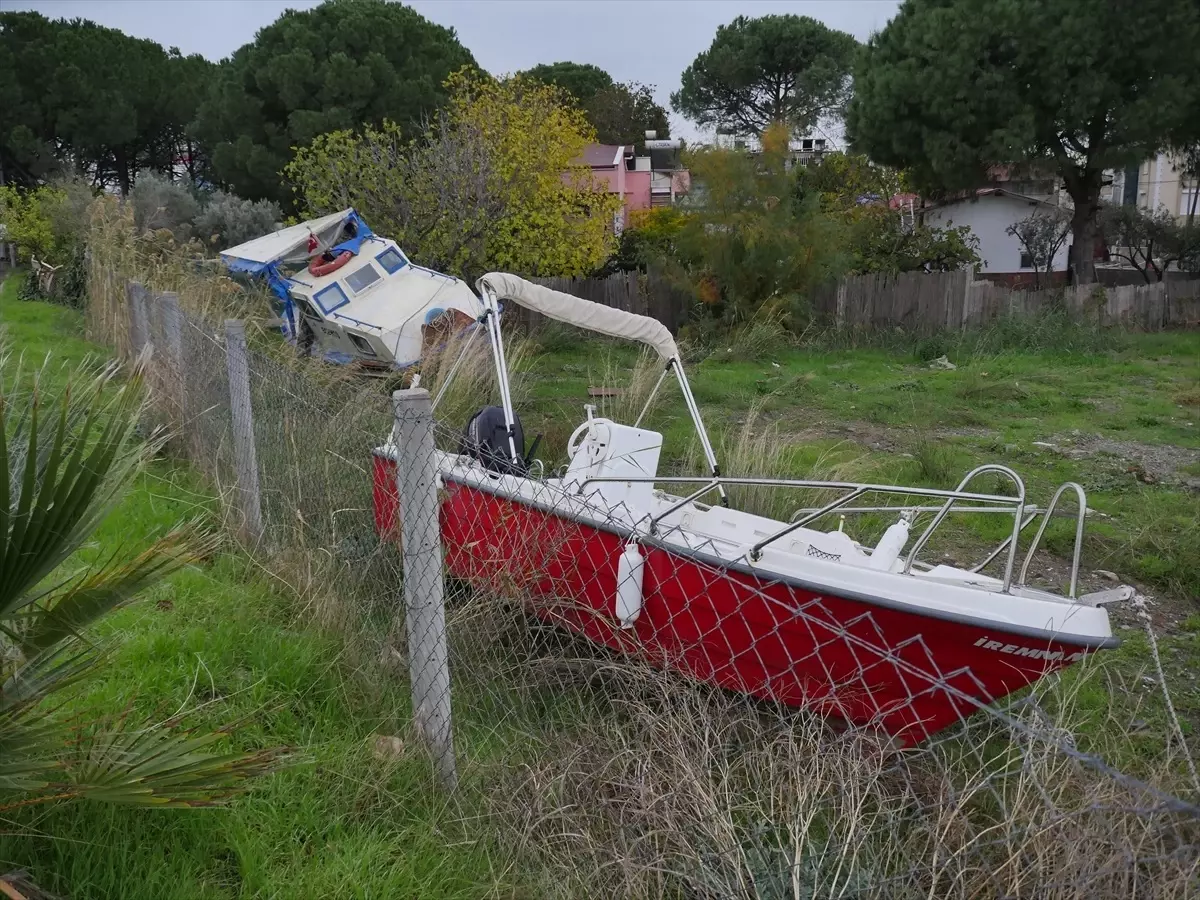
(582, 313)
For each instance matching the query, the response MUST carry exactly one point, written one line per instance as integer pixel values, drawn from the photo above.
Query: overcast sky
(651, 41)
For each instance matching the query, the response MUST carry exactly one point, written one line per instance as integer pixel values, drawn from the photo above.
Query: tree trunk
(1085, 230)
(1085, 226)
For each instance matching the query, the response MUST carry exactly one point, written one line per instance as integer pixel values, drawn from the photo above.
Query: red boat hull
(911, 674)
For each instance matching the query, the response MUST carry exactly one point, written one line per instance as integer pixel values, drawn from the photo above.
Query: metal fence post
(424, 601)
(237, 361)
(138, 325)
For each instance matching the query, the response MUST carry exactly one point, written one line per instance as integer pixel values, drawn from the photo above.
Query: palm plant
(67, 453)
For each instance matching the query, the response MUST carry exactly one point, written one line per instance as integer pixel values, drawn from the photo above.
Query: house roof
(989, 192)
(601, 156)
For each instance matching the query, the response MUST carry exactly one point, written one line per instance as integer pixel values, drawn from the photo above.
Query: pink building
(643, 181)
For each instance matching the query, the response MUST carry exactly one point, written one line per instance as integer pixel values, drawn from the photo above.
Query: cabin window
(331, 298)
(361, 279)
(361, 344)
(391, 260)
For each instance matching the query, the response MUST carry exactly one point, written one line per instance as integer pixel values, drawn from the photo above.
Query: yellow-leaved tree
(492, 183)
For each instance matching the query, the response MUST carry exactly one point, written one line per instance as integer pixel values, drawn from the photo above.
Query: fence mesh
(720, 733)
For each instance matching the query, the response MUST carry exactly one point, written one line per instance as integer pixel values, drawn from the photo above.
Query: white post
(237, 361)
(424, 601)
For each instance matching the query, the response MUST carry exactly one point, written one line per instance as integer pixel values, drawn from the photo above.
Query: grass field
(222, 643)
(1117, 413)
(1120, 414)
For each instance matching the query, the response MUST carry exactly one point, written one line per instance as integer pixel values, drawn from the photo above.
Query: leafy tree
(68, 454)
(785, 69)
(1151, 242)
(1042, 234)
(877, 240)
(951, 87)
(28, 150)
(581, 80)
(337, 66)
(751, 241)
(84, 98)
(649, 239)
(856, 193)
(191, 78)
(491, 184)
(623, 113)
(620, 113)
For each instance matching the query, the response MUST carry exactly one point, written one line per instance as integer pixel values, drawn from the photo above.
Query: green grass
(222, 644)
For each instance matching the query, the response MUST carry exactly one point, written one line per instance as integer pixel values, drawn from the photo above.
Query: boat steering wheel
(578, 435)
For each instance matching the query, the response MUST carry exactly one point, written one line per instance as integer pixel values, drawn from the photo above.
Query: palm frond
(63, 476)
(103, 590)
(158, 765)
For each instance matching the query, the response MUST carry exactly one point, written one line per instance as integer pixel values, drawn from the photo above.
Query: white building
(988, 213)
(1153, 184)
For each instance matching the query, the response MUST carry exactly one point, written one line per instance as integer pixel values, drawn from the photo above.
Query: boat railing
(1023, 514)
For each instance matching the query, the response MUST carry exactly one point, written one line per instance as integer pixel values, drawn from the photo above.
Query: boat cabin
(352, 296)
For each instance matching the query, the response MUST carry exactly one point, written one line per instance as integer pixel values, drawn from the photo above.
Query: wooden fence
(648, 295)
(953, 300)
(914, 301)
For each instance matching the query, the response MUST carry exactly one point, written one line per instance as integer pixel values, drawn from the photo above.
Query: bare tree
(1042, 235)
(1150, 242)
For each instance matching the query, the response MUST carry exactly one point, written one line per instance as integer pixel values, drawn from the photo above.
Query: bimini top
(582, 313)
(254, 256)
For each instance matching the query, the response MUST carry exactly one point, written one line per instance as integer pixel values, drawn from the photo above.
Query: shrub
(228, 220)
(159, 203)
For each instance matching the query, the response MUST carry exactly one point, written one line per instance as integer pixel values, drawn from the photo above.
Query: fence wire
(738, 737)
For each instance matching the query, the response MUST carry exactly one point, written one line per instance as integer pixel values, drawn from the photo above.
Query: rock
(942, 362)
(386, 747)
(1107, 575)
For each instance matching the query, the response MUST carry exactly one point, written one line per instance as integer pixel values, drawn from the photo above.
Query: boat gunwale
(737, 565)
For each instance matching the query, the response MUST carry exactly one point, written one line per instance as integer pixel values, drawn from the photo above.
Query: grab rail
(1081, 500)
(1016, 534)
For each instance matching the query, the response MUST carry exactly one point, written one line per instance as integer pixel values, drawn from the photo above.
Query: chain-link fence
(716, 732)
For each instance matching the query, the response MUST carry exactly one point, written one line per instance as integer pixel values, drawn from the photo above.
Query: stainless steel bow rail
(1022, 513)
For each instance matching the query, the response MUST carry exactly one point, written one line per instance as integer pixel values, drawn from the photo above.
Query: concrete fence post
(424, 600)
(139, 326)
(245, 458)
(172, 330)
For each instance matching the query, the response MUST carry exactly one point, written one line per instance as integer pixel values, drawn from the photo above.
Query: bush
(162, 204)
(48, 221)
(228, 220)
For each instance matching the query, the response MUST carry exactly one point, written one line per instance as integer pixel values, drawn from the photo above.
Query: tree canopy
(337, 66)
(952, 87)
(581, 80)
(483, 187)
(81, 97)
(786, 69)
(621, 113)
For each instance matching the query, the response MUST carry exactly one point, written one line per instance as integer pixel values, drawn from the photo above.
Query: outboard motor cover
(486, 439)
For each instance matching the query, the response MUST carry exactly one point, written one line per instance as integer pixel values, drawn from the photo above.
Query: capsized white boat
(350, 295)
(776, 609)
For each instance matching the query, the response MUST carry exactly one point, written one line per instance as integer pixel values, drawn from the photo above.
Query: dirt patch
(1151, 463)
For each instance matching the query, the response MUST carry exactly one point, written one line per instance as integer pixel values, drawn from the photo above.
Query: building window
(1026, 260)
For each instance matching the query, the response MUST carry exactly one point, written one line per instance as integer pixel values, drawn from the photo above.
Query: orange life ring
(318, 269)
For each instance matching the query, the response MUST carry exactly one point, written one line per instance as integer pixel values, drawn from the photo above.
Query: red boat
(779, 610)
